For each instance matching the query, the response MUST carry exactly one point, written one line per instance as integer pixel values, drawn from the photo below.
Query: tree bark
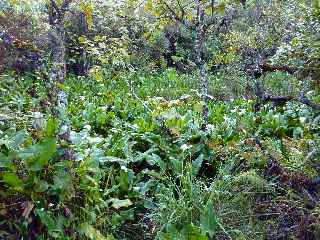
(58, 74)
(199, 42)
(58, 69)
(84, 63)
(280, 100)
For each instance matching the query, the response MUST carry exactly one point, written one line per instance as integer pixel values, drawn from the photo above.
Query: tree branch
(279, 100)
(65, 5)
(181, 9)
(54, 6)
(54, 12)
(307, 102)
(175, 15)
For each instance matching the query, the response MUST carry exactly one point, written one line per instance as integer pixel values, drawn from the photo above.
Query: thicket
(159, 119)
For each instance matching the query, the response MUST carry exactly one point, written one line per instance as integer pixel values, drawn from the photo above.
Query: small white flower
(226, 118)
(95, 140)
(87, 127)
(210, 127)
(175, 102)
(136, 189)
(82, 98)
(124, 168)
(242, 111)
(184, 147)
(37, 114)
(302, 119)
(87, 151)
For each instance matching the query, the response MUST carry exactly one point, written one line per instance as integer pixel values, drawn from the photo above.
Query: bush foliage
(137, 162)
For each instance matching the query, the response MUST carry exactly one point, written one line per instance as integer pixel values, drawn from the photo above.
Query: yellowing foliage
(87, 9)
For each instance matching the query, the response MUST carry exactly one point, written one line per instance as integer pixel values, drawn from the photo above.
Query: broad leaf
(208, 220)
(13, 180)
(117, 203)
(51, 128)
(196, 164)
(5, 162)
(93, 233)
(37, 156)
(41, 186)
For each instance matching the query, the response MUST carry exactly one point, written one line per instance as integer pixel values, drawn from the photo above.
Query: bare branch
(65, 5)
(54, 6)
(56, 13)
(307, 102)
(278, 100)
(175, 15)
(181, 9)
(53, 12)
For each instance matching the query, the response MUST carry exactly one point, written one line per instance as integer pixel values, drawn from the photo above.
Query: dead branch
(280, 100)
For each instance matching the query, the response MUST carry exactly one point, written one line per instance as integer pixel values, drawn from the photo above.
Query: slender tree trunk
(58, 71)
(199, 45)
(58, 75)
(309, 3)
(84, 63)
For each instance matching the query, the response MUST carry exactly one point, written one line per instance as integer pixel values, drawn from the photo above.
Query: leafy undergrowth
(142, 168)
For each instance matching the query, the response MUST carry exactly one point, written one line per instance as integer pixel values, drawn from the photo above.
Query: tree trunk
(84, 63)
(199, 42)
(58, 74)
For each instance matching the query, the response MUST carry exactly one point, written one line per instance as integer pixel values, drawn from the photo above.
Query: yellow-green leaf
(93, 233)
(13, 180)
(117, 203)
(148, 7)
(87, 9)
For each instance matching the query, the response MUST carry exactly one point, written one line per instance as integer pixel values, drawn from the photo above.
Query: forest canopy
(159, 119)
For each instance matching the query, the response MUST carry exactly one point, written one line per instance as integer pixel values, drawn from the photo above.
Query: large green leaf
(41, 185)
(196, 164)
(189, 232)
(92, 233)
(18, 139)
(14, 141)
(51, 128)
(5, 161)
(13, 180)
(117, 203)
(55, 225)
(124, 181)
(62, 181)
(208, 220)
(38, 155)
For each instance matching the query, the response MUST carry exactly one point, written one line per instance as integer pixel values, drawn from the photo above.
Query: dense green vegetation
(131, 154)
